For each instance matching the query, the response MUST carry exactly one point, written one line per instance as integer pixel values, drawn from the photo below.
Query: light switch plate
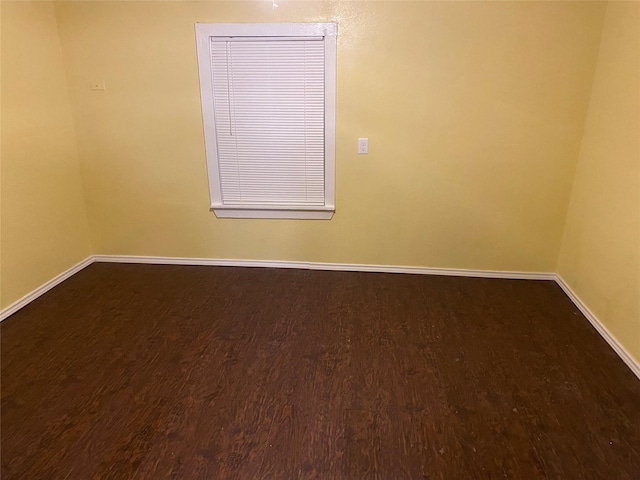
(363, 146)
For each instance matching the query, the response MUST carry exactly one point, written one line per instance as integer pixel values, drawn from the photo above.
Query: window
(268, 107)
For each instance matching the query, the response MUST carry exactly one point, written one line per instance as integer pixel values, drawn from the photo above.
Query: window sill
(293, 213)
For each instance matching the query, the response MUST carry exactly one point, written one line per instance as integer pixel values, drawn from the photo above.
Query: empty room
(282, 239)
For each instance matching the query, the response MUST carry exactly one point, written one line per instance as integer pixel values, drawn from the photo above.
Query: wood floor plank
(152, 372)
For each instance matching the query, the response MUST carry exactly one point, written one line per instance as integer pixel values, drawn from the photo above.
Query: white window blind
(268, 97)
(268, 108)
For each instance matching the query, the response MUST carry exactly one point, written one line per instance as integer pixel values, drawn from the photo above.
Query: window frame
(327, 30)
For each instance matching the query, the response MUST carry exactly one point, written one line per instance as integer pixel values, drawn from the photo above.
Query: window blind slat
(269, 101)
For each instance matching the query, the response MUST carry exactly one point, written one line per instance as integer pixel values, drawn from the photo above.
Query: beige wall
(474, 113)
(44, 222)
(600, 257)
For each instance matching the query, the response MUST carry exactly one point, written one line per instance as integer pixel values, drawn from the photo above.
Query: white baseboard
(30, 297)
(14, 307)
(601, 329)
(350, 267)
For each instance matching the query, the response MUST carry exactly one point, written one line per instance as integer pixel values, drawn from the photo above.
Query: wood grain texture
(152, 372)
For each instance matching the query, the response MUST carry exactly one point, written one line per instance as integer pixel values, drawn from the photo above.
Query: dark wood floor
(151, 372)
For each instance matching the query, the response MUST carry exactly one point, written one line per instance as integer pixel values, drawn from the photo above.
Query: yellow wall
(474, 112)
(44, 223)
(600, 257)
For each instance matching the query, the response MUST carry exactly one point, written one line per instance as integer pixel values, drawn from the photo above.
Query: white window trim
(328, 30)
